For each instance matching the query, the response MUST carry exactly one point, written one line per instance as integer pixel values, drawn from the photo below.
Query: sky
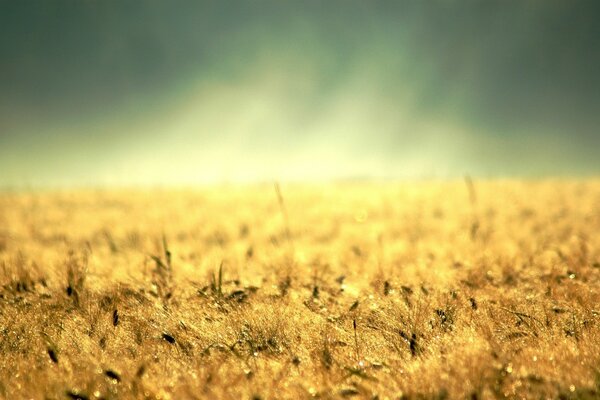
(129, 93)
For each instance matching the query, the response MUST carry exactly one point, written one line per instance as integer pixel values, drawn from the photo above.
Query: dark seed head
(473, 303)
(414, 348)
(112, 375)
(53, 355)
(115, 317)
(141, 370)
(386, 288)
(75, 395)
(442, 315)
(238, 295)
(349, 392)
(315, 292)
(168, 338)
(406, 289)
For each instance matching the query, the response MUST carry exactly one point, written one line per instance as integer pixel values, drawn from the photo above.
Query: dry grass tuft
(410, 291)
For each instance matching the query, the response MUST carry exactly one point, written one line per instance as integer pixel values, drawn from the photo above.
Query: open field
(376, 291)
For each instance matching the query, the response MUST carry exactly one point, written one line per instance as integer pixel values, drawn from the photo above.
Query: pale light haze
(187, 92)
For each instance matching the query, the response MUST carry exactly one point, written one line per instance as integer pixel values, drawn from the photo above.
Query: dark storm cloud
(82, 75)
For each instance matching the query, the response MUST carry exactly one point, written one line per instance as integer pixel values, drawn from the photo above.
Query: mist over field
(157, 93)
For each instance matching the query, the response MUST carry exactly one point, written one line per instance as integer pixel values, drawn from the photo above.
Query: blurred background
(108, 93)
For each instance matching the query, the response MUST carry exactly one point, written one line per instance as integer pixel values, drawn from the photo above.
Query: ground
(461, 289)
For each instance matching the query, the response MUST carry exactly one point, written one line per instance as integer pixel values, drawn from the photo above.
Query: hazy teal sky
(184, 92)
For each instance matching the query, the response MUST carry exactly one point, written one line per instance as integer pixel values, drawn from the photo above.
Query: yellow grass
(376, 291)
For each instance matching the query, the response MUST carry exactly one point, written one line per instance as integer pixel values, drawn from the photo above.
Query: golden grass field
(423, 290)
